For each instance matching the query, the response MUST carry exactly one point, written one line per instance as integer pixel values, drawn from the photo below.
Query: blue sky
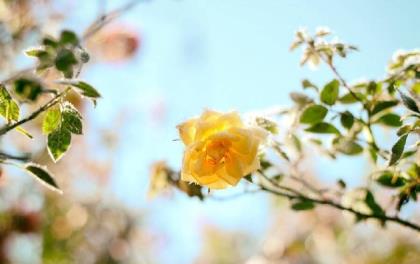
(226, 55)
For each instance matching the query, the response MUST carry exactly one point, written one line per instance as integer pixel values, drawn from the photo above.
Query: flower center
(216, 151)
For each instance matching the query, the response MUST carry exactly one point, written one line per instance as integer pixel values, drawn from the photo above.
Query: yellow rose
(220, 149)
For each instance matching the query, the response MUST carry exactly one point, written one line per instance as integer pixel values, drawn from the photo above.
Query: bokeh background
(160, 63)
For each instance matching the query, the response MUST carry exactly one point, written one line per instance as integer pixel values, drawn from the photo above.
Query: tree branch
(332, 67)
(105, 19)
(32, 116)
(96, 25)
(383, 218)
(335, 71)
(7, 156)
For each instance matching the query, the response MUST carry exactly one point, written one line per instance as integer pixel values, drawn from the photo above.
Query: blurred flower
(404, 59)
(267, 124)
(322, 31)
(312, 58)
(224, 246)
(115, 44)
(159, 179)
(220, 149)
(17, 17)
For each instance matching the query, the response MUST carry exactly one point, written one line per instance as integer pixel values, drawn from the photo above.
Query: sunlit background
(174, 59)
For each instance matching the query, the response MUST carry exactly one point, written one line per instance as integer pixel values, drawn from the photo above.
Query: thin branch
(105, 19)
(6, 156)
(383, 218)
(331, 65)
(277, 185)
(335, 71)
(96, 25)
(32, 116)
(309, 186)
(341, 79)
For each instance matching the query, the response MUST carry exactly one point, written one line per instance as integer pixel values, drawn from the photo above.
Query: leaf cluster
(61, 120)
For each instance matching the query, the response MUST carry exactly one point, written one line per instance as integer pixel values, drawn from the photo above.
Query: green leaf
(27, 88)
(50, 42)
(267, 124)
(296, 142)
(4, 94)
(190, 189)
(313, 114)
(71, 119)
(374, 88)
(36, 52)
(68, 37)
(329, 93)
(404, 130)
(300, 98)
(278, 177)
(413, 191)
(265, 164)
(248, 178)
(408, 154)
(44, 56)
(303, 205)
(85, 88)
(323, 128)
(371, 203)
(9, 109)
(350, 99)
(64, 62)
(58, 143)
(52, 120)
(316, 141)
(403, 198)
(348, 146)
(43, 176)
(382, 105)
(373, 154)
(13, 111)
(397, 150)
(409, 102)
(387, 179)
(347, 119)
(391, 119)
(414, 171)
(308, 84)
(392, 86)
(416, 88)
